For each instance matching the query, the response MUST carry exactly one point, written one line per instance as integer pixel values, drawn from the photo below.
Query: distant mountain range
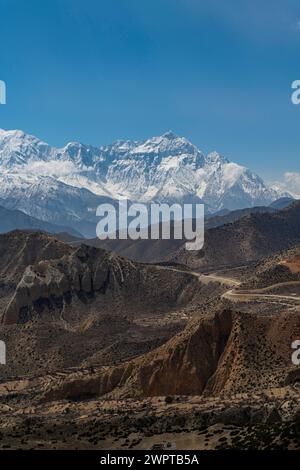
(65, 186)
(15, 219)
(162, 250)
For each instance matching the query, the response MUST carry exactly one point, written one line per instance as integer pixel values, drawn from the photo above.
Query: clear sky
(218, 72)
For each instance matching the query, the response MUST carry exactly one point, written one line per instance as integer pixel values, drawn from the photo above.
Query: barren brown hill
(282, 268)
(144, 251)
(227, 352)
(62, 306)
(292, 260)
(18, 249)
(251, 238)
(150, 251)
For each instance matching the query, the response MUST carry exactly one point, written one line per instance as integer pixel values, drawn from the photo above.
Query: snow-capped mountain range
(66, 185)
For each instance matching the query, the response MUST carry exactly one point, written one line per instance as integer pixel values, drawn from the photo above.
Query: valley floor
(186, 423)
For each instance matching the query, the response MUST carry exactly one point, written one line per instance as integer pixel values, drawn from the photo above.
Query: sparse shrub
(169, 399)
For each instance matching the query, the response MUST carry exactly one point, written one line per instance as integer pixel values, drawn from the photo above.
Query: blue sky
(217, 72)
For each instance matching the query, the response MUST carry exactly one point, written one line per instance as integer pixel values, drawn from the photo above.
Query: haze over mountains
(65, 186)
(15, 219)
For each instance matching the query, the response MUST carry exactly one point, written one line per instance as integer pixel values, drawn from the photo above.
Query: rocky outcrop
(182, 366)
(228, 352)
(85, 270)
(19, 249)
(55, 270)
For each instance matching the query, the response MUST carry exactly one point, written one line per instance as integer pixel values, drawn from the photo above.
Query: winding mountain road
(243, 295)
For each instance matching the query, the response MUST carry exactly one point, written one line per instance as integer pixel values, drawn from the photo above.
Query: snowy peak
(170, 135)
(214, 158)
(18, 148)
(168, 143)
(163, 168)
(79, 154)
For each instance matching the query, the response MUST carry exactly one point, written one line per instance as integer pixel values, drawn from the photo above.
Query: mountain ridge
(17, 220)
(167, 168)
(248, 239)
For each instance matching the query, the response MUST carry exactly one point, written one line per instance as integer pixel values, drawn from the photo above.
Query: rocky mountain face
(50, 200)
(67, 305)
(69, 183)
(224, 353)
